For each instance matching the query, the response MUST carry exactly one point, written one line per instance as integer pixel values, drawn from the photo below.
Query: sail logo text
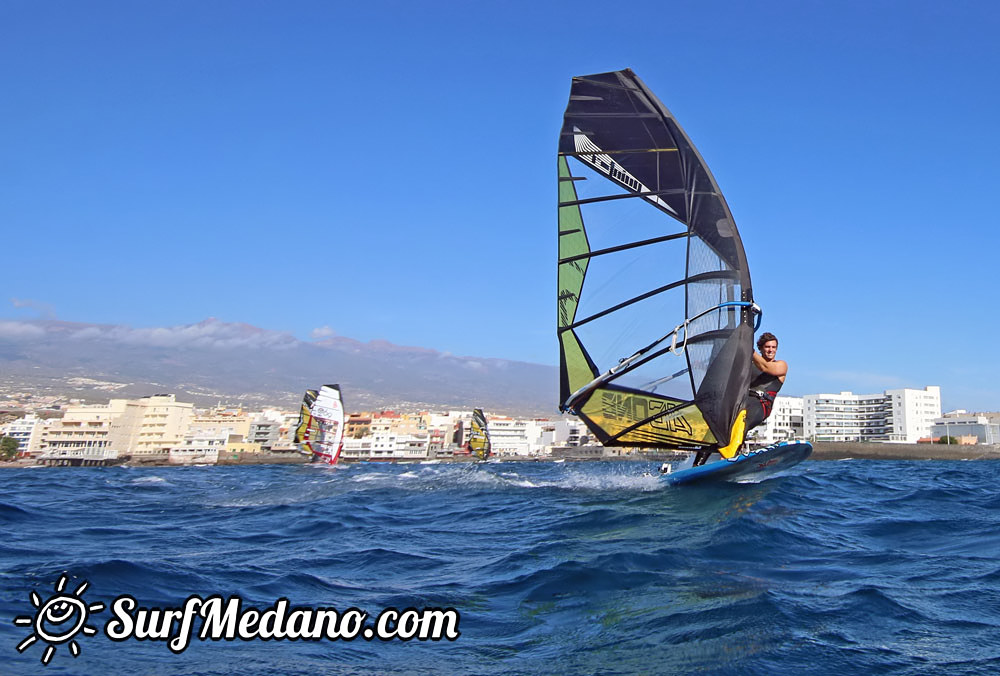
(631, 409)
(603, 163)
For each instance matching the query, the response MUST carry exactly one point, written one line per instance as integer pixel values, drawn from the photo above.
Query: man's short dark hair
(765, 337)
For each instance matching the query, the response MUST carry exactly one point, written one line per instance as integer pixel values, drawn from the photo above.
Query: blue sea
(849, 567)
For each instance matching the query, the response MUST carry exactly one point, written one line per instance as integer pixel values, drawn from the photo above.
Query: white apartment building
(566, 431)
(784, 423)
(200, 447)
(901, 415)
(356, 449)
(914, 412)
(27, 431)
(389, 444)
(511, 436)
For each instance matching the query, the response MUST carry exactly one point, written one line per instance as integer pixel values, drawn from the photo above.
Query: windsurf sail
(479, 436)
(321, 424)
(655, 307)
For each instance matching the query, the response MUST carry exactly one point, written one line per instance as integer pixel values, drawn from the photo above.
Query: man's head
(768, 345)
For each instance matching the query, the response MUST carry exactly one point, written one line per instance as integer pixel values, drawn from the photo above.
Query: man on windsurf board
(763, 388)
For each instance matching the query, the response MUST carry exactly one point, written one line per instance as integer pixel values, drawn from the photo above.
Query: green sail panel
(573, 250)
(654, 300)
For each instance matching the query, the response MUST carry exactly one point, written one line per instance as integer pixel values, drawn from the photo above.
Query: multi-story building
(517, 436)
(137, 427)
(356, 449)
(785, 422)
(392, 436)
(236, 421)
(150, 425)
(27, 431)
(357, 425)
(901, 415)
(562, 432)
(84, 432)
(961, 424)
(265, 433)
(200, 447)
(913, 412)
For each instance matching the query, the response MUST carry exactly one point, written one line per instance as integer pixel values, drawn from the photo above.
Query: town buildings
(25, 430)
(970, 428)
(901, 415)
(159, 428)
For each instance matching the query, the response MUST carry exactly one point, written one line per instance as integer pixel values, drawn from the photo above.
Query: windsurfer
(763, 388)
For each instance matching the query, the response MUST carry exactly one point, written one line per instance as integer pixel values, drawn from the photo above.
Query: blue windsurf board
(753, 465)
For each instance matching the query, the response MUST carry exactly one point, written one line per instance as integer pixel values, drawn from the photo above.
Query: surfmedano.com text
(216, 619)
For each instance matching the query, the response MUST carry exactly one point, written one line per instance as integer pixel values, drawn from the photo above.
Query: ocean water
(578, 568)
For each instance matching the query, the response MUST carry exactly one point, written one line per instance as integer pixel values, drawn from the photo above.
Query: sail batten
(623, 247)
(673, 257)
(608, 198)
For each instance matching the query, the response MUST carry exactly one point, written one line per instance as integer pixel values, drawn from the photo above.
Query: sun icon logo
(58, 620)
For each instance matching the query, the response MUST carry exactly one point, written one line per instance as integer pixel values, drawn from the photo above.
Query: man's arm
(776, 368)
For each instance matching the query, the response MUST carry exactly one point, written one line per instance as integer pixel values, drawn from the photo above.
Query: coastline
(822, 451)
(830, 450)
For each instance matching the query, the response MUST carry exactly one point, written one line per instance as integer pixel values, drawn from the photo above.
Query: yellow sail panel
(479, 436)
(615, 411)
(304, 431)
(304, 423)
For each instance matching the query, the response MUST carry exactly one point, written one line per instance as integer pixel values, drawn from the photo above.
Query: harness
(766, 398)
(765, 387)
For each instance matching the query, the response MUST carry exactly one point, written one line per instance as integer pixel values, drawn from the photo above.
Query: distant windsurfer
(763, 388)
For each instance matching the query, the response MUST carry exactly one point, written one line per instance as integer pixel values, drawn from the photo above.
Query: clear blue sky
(387, 169)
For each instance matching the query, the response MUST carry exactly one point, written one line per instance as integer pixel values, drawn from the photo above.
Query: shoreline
(843, 450)
(822, 451)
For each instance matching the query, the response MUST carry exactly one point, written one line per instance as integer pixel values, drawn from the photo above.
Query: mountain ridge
(212, 361)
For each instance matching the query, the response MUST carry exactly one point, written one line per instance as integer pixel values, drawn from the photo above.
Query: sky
(386, 170)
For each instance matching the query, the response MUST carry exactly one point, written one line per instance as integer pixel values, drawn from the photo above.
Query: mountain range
(214, 361)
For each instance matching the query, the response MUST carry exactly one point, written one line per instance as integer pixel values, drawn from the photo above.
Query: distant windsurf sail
(479, 436)
(655, 307)
(321, 424)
